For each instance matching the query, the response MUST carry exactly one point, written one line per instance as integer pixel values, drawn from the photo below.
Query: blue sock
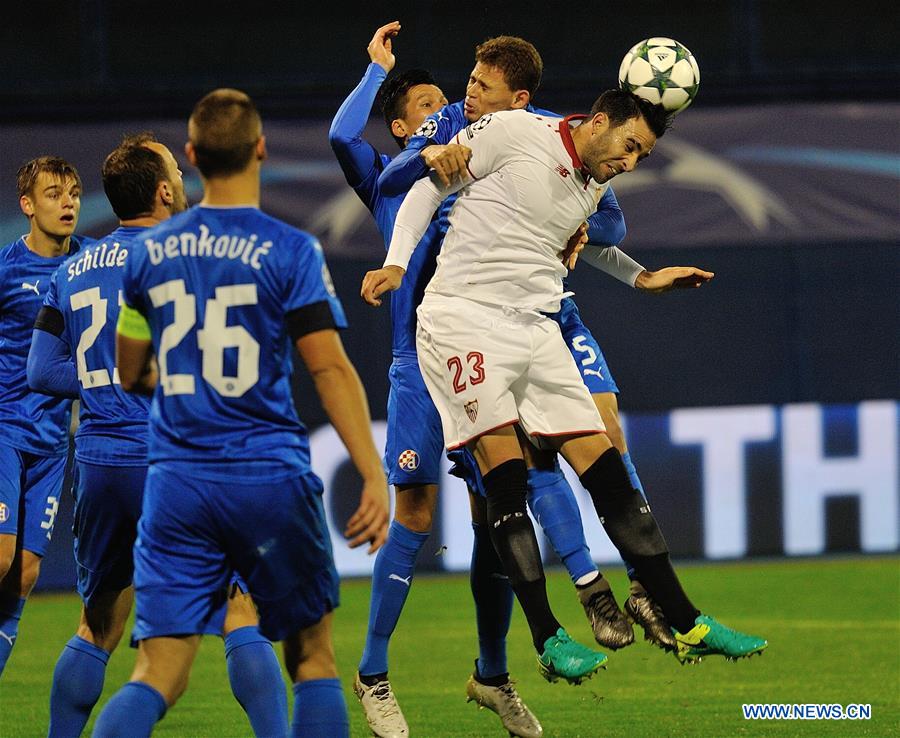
(256, 681)
(320, 710)
(391, 580)
(77, 685)
(10, 612)
(632, 473)
(132, 711)
(493, 597)
(553, 505)
(636, 483)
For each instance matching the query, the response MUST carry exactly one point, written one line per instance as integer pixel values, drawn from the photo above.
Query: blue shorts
(466, 468)
(30, 490)
(584, 349)
(107, 508)
(194, 532)
(415, 440)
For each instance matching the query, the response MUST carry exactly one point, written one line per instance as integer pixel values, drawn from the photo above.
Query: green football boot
(708, 637)
(566, 659)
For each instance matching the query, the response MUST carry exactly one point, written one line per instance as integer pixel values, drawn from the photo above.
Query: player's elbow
(619, 231)
(337, 139)
(35, 376)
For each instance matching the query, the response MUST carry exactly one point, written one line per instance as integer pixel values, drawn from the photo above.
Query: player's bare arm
(133, 356)
(344, 401)
(671, 278)
(379, 281)
(379, 48)
(449, 161)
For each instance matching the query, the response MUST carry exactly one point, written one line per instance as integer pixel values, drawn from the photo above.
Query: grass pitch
(833, 628)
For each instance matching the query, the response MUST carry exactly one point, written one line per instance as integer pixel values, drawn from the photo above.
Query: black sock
(661, 582)
(631, 527)
(494, 681)
(513, 537)
(370, 680)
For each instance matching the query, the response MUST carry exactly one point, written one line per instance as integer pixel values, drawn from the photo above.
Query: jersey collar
(566, 134)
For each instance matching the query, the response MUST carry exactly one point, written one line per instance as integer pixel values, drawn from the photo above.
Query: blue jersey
(87, 291)
(31, 421)
(362, 165)
(225, 290)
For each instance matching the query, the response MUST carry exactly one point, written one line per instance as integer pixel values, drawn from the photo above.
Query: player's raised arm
(344, 401)
(358, 159)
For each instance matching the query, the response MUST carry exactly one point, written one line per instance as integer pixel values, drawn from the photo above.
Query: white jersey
(527, 195)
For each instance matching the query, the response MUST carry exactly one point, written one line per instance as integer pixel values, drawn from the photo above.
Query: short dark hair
(224, 129)
(131, 174)
(394, 94)
(519, 61)
(28, 173)
(621, 105)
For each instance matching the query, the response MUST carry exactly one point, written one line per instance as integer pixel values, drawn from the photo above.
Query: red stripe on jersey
(566, 134)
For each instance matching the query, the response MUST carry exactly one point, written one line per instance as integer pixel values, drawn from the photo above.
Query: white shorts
(486, 367)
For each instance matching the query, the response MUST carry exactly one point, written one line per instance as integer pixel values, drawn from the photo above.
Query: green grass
(833, 628)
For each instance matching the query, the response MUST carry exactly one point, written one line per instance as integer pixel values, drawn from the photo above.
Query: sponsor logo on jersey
(472, 409)
(32, 287)
(4, 512)
(427, 129)
(408, 460)
(562, 171)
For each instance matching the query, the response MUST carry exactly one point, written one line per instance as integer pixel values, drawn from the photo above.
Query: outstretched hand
(380, 47)
(672, 278)
(377, 282)
(369, 524)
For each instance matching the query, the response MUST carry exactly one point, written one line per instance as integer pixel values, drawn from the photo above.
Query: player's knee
(415, 507)
(20, 573)
(506, 487)
(418, 520)
(307, 659)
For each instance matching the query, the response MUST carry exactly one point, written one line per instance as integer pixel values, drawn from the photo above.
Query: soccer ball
(661, 70)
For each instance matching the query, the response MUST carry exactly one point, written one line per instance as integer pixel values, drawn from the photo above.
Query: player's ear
(261, 153)
(398, 128)
(164, 190)
(599, 122)
(190, 153)
(521, 98)
(26, 205)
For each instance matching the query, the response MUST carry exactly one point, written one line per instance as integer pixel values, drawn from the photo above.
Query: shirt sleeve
(606, 227)
(310, 302)
(359, 160)
(50, 369)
